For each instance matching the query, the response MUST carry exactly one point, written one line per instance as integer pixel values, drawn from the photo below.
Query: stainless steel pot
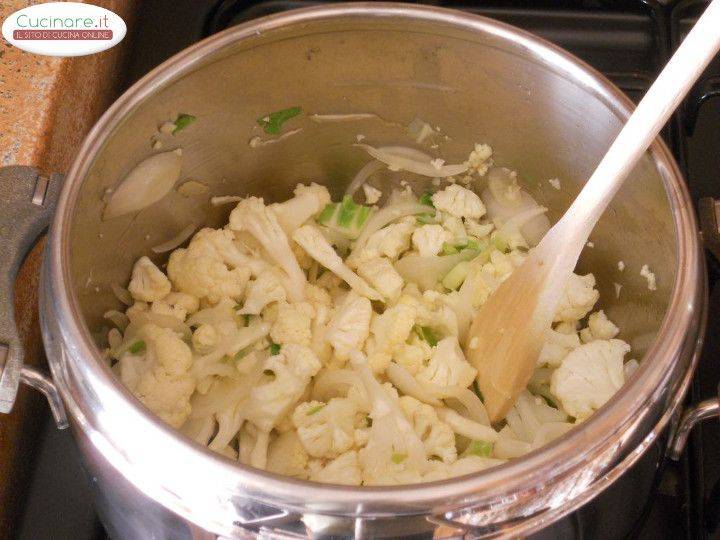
(544, 112)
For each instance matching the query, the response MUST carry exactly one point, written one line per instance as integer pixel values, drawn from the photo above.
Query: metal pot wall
(544, 112)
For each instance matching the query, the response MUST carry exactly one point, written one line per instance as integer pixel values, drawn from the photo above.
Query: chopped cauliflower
(557, 346)
(428, 240)
(413, 356)
(589, 376)
(479, 159)
(390, 331)
(349, 325)
(477, 229)
(437, 437)
(459, 202)
(287, 456)
(308, 202)
(148, 283)
(383, 277)
(344, 470)
(447, 366)
(453, 225)
(389, 241)
(200, 270)
(264, 290)
(372, 195)
(326, 430)
(253, 216)
(577, 299)
(293, 323)
(176, 304)
(649, 277)
(599, 327)
(285, 376)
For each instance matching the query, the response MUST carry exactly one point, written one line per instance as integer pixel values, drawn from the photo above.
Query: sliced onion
(122, 294)
(475, 408)
(406, 151)
(146, 184)
(467, 428)
(510, 448)
(547, 432)
(335, 383)
(427, 271)
(140, 319)
(362, 175)
(398, 158)
(227, 199)
(255, 142)
(176, 240)
(323, 118)
(335, 237)
(407, 384)
(118, 318)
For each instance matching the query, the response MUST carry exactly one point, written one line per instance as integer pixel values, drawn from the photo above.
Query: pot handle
(27, 203)
(709, 408)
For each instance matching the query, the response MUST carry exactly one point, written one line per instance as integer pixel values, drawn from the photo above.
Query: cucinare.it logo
(64, 29)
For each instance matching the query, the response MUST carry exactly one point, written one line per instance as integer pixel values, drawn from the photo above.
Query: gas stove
(627, 40)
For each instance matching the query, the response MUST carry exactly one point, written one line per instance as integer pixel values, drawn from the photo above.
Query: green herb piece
(455, 277)
(270, 373)
(476, 389)
(426, 334)
(327, 214)
(479, 448)
(362, 216)
(182, 121)
(274, 349)
(246, 316)
(237, 307)
(137, 347)
(426, 199)
(241, 353)
(426, 219)
(398, 458)
(500, 243)
(314, 410)
(274, 121)
(348, 209)
(522, 249)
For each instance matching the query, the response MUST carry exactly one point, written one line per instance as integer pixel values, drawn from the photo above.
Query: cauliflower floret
(253, 216)
(453, 225)
(479, 159)
(205, 338)
(589, 376)
(599, 327)
(286, 375)
(577, 299)
(437, 437)
(349, 325)
(287, 456)
(267, 288)
(293, 323)
(372, 195)
(557, 346)
(447, 366)
(234, 253)
(344, 470)
(200, 270)
(459, 202)
(148, 283)
(429, 239)
(413, 356)
(326, 430)
(171, 352)
(320, 249)
(389, 241)
(382, 276)
(176, 304)
(390, 332)
(477, 229)
(166, 395)
(308, 201)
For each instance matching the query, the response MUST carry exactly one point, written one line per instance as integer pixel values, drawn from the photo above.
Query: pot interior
(543, 117)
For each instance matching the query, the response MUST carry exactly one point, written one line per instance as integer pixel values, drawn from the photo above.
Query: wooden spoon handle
(651, 114)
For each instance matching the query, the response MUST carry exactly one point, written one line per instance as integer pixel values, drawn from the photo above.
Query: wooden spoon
(509, 329)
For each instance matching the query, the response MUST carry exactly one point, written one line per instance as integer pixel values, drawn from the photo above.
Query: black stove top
(628, 40)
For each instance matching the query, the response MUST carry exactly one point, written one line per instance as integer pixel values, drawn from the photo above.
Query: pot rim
(538, 466)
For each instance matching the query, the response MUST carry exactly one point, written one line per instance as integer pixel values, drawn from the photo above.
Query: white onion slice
(122, 294)
(427, 271)
(256, 142)
(363, 174)
(324, 118)
(227, 199)
(467, 428)
(335, 383)
(406, 151)
(401, 161)
(118, 318)
(191, 188)
(176, 240)
(469, 400)
(407, 384)
(146, 184)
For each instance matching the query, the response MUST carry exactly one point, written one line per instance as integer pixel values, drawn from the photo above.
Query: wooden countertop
(47, 105)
